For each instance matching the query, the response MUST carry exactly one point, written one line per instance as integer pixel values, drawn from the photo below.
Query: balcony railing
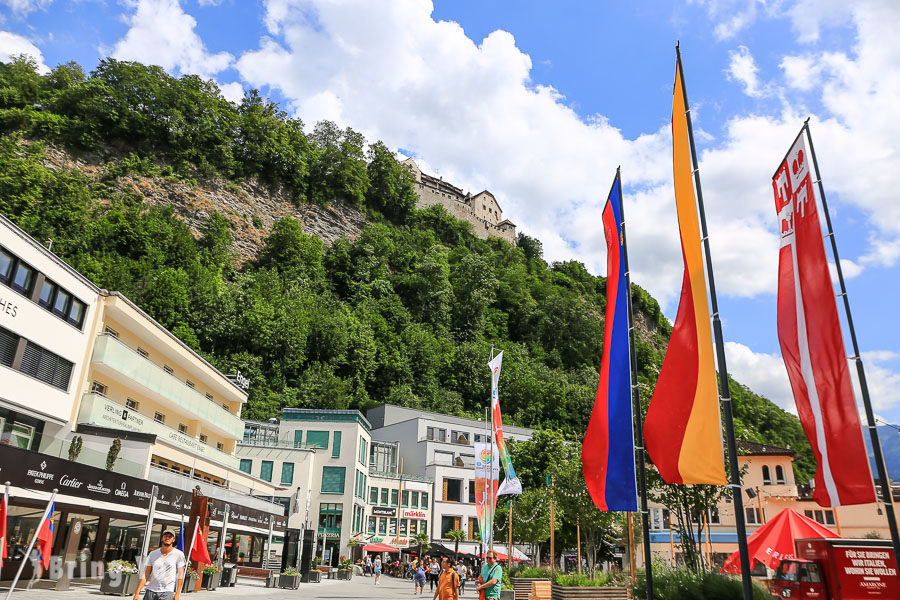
(118, 357)
(282, 444)
(97, 409)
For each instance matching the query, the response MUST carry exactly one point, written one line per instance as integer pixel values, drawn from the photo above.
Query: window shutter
(336, 448)
(317, 439)
(445, 490)
(8, 343)
(333, 480)
(298, 438)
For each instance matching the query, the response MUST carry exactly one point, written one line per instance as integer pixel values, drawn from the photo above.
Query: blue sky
(539, 101)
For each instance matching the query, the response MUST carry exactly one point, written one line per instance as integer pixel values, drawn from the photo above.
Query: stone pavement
(388, 588)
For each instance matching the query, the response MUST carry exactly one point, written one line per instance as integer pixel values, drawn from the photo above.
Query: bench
(540, 590)
(265, 575)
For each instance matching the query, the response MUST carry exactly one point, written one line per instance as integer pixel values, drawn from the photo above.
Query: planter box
(507, 595)
(190, 582)
(120, 584)
(522, 586)
(314, 577)
(289, 582)
(210, 582)
(323, 568)
(346, 575)
(589, 593)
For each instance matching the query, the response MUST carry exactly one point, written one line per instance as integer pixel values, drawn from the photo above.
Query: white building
(440, 447)
(48, 313)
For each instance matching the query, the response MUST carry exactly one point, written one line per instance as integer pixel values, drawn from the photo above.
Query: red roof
(774, 541)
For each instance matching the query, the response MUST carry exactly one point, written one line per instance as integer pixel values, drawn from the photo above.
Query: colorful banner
(682, 431)
(809, 331)
(511, 484)
(487, 474)
(607, 455)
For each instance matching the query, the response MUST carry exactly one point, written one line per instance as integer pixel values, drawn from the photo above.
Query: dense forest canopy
(406, 313)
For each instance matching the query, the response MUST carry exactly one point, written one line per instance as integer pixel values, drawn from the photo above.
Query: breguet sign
(35, 471)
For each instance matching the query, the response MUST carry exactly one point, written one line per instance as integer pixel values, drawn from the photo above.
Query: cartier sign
(35, 471)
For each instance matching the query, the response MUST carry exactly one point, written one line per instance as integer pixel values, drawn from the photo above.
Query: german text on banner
(487, 474)
(809, 331)
(682, 430)
(511, 483)
(607, 455)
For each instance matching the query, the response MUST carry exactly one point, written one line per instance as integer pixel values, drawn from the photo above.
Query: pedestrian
(448, 581)
(376, 566)
(164, 572)
(463, 571)
(491, 574)
(368, 564)
(419, 577)
(434, 571)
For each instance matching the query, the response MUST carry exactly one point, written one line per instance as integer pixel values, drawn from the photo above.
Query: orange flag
(682, 431)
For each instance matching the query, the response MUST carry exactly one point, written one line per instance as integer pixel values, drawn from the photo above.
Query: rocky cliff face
(251, 208)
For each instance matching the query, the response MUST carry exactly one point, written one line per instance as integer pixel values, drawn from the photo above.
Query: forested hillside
(405, 313)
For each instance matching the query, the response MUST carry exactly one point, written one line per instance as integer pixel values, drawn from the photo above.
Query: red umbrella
(502, 557)
(774, 541)
(380, 548)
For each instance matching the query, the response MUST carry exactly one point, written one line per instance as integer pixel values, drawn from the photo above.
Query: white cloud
(161, 33)
(233, 91)
(742, 67)
(22, 7)
(881, 379)
(765, 374)
(733, 16)
(801, 72)
(12, 44)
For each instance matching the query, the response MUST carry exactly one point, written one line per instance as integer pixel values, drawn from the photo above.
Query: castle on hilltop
(481, 210)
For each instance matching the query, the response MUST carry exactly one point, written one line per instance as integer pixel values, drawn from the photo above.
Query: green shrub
(526, 571)
(600, 579)
(685, 585)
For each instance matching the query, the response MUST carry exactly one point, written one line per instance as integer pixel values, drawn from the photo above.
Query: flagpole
(37, 531)
(637, 419)
(145, 544)
(860, 370)
(724, 386)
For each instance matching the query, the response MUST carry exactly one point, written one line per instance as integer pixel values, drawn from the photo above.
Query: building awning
(380, 548)
(16, 493)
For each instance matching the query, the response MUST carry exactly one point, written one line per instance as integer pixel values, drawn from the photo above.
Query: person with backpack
(448, 581)
(491, 574)
(419, 577)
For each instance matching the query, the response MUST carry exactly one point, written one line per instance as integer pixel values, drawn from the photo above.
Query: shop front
(101, 516)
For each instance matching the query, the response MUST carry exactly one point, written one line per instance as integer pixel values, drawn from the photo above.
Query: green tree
(391, 185)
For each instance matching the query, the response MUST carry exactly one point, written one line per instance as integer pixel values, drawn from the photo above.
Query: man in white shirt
(164, 572)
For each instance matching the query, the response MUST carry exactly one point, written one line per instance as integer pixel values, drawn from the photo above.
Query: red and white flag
(812, 345)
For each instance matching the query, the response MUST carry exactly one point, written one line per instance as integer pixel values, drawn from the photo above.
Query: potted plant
(241, 556)
(190, 581)
(321, 566)
(210, 578)
(314, 575)
(289, 579)
(345, 569)
(121, 578)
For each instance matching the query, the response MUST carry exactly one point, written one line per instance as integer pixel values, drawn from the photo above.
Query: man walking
(164, 572)
(491, 574)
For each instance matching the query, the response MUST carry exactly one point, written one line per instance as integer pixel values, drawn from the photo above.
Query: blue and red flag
(45, 537)
(607, 454)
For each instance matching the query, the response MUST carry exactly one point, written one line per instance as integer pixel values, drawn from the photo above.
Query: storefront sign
(384, 511)
(35, 471)
(415, 514)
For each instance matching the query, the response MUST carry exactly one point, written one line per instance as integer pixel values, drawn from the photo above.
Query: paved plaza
(358, 587)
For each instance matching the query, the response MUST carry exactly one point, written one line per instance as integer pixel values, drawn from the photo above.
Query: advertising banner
(487, 476)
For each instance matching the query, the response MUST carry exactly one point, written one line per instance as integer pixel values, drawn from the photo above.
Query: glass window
(403, 526)
(317, 439)
(182, 428)
(23, 278)
(384, 496)
(16, 434)
(423, 527)
(404, 498)
(753, 516)
(779, 474)
(413, 527)
(392, 528)
(415, 499)
(424, 502)
(362, 450)
(471, 491)
(460, 437)
(159, 417)
(246, 465)
(130, 403)
(394, 495)
(61, 303)
(452, 490)
(767, 475)
(203, 438)
(6, 264)
(382, 524)
(287, 473)
(265, 470)
(333, 480)
(371, 527)
(810, 572)
(298, 438)
(336, 445)
(76, 313)
(373, 495)
(48, 288)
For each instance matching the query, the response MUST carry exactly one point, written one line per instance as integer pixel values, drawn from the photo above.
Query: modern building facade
(104, 404)
(442, 448)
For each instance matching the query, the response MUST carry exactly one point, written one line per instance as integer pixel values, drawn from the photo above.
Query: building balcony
(97, 409)
(120, 363)
(231, 492)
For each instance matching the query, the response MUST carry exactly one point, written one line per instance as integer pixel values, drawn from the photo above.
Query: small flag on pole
(682, 429)
(200, 552)
(45, 537)
(607, 455)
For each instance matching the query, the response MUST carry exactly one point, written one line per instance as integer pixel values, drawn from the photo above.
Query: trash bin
(271, 580)
(229, 575)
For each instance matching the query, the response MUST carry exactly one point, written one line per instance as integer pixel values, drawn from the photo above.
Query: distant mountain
(890, 445)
